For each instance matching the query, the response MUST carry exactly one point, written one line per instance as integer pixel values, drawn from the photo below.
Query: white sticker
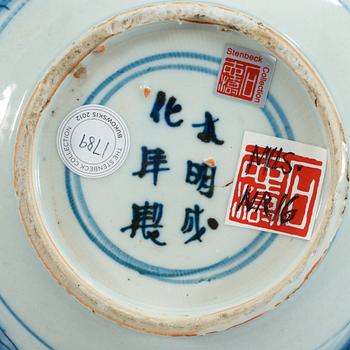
(245, 75)
(93, 141)
(277, 185)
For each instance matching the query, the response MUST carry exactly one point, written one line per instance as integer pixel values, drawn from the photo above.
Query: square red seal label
(277, 185)
(245, 75)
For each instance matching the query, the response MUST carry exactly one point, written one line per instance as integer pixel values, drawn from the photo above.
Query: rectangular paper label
(277, 185)
(245, 74)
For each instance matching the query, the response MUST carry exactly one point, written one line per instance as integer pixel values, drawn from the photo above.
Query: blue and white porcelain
(156, 65)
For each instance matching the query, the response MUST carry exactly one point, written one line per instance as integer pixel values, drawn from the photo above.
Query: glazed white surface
(110, 203)
(318, 310)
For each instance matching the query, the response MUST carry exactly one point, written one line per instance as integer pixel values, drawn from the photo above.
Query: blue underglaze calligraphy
(151, 162)
(203, 176)
(146, 218)
(208, 134)
(192, 223)
(170, 108)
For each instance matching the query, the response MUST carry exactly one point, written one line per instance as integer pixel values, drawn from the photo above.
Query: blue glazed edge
(345, 5)
(5, 341)
(24, 325)
(10, 12)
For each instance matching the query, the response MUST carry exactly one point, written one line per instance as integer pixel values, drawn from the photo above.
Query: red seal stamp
(277, 185)
(245, 75)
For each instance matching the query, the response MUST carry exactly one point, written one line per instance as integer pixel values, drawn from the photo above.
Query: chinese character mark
(201, 175)
(208, 134)
(170, 108)
(147, 219)
(238, 79)
(276, 190)
(151, 162)
(192, 223)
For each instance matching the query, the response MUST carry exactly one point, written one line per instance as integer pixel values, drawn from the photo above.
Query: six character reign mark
(146, 218)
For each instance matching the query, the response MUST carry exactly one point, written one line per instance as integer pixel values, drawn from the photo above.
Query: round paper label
(93, 141)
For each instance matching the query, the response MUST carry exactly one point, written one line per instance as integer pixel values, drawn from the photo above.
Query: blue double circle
(102, 94)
